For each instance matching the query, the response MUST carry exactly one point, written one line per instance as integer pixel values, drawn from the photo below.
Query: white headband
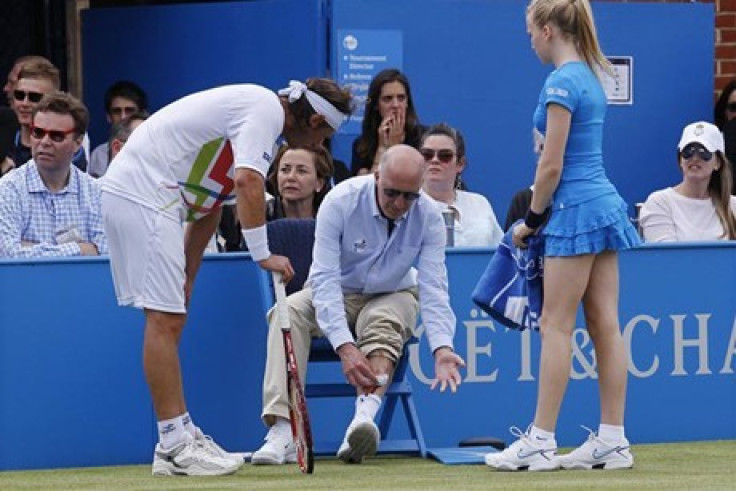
(322, 106)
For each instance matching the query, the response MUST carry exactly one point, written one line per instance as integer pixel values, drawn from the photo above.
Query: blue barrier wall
(469, 61)
(678, 316)
(72, 391)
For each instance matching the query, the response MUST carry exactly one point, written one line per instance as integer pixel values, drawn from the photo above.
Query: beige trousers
(383, 321)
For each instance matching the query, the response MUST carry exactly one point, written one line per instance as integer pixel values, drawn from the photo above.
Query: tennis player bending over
(363, 294)
(184, 163)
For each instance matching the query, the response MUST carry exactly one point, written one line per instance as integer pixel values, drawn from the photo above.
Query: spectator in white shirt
(443, 148)
(701, 207)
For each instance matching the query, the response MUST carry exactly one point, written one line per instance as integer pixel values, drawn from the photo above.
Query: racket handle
(282, 307)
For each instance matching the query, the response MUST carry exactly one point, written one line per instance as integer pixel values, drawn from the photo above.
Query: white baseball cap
(704, 133)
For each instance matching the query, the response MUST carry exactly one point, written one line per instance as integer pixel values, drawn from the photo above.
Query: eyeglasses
(691, 149)
(117, 111)
(395, 193)
(731, 106)
(34, 97)
(445, 155)
(57, 136)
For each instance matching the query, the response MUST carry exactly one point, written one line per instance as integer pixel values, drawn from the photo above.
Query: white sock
(366, 406)
(282, 424)
(611, 433)
(188, 424)
(539, 435)
(171, 432)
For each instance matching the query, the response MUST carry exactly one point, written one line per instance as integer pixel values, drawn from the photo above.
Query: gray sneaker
(361, 440)
(191, 458)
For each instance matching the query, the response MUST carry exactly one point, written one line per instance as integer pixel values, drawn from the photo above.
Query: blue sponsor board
(80, 354)
(677, 313)
(361, 54)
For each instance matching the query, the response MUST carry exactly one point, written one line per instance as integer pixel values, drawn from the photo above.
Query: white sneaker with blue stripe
(596, 453)
(525, 454)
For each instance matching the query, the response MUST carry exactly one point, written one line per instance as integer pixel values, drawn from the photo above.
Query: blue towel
(510, 289)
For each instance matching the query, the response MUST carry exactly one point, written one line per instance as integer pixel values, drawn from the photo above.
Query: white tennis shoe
(361, 440)
(213, 448)
(279, 447)
(525, 454)
(596, 453)
(191, 458)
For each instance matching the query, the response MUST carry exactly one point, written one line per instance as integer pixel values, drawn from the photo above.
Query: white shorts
(146, 255)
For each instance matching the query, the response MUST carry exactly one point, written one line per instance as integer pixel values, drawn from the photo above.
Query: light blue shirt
(575, 87)
(353, 253)
(29, 212)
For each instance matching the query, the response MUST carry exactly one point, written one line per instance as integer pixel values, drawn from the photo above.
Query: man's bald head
(399, 179)
(402, 159)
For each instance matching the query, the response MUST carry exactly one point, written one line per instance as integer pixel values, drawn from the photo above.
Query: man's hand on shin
(356, 367)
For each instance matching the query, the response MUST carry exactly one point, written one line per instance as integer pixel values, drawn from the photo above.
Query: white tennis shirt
(182, 159)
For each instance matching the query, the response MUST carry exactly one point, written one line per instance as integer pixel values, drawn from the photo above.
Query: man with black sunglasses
(48, 207)
(35, 79)
(363, 293)
(8, 119)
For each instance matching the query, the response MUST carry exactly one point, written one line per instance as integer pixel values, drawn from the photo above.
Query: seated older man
(363, 294)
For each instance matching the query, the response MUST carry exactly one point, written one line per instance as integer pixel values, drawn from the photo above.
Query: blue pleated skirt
(590, 228)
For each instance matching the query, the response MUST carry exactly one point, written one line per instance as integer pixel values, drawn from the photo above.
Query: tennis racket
(298, 414)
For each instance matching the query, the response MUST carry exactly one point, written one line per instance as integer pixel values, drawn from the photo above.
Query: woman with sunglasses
(588, 224)
(725, 108)
(701, 206)
(389, 119)
(443, 148)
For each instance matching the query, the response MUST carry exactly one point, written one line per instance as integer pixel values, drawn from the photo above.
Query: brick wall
(725, 69)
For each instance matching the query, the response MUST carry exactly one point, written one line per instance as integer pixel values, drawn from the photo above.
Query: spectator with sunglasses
(389, 119)
(12, 79)
(48, 207)
(443, 148)
(363, 293)
(700, 207)
(36, 79)
(725, 108)
(122, 99)
(8, 119)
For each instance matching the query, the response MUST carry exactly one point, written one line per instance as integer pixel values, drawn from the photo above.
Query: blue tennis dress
(588, 215)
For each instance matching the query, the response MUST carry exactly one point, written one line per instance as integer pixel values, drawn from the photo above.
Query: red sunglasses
(57, 136)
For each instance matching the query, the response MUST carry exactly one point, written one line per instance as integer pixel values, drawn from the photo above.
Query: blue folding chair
(294, 238)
